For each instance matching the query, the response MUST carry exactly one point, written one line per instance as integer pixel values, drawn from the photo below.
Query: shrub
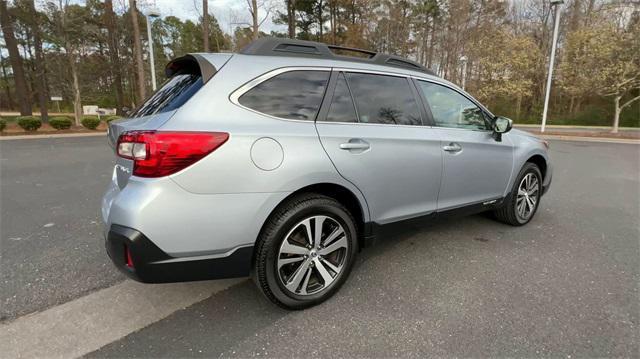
(29, 123)
(90, 122)
(60, 123)
(3, 124)
(108, 119)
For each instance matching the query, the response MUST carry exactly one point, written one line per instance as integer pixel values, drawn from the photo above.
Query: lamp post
(464, 60)
(151, 14)
(556, 5)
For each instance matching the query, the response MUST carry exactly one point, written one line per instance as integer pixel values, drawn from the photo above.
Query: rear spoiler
(207, 64)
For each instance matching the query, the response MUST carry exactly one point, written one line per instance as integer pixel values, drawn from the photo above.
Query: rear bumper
(152, 265)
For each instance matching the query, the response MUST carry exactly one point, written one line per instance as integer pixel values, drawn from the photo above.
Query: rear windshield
(173, 94)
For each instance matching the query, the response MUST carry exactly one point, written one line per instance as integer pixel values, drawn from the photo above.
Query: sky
(230, 13)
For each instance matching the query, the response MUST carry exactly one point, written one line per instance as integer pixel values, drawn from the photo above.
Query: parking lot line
(90, 322)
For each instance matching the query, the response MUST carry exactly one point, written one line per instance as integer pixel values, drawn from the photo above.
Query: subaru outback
(284, 160)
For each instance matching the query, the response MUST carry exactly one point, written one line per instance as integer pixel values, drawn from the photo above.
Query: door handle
(452, 147)
(355, 144)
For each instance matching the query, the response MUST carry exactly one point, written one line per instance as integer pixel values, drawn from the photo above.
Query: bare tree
(253, 8)
(6, 22)
(137, 52)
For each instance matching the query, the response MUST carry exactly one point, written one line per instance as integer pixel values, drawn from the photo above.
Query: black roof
(275, 46)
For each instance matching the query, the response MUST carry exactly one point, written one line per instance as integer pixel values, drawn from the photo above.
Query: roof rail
(275, 46)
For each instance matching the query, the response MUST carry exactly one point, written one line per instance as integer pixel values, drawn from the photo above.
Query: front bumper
(152, 265)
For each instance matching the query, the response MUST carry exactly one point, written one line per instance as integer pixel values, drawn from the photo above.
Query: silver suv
(286, 159)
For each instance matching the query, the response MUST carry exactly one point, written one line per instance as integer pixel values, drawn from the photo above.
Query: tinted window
(173, 94)
(342, 109)
(451, 109)
(384, 99)
(294, 95)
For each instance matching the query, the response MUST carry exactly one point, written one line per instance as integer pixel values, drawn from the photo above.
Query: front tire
(305, 251)
(522, 203)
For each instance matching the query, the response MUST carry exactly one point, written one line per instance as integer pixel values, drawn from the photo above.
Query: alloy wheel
(527, 198)
(312, 255)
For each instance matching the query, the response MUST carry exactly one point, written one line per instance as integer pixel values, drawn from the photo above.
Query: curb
(525, 125)
(590, 139)
(59, 135)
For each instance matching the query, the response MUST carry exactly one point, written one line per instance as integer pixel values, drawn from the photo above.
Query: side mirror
(501, 125)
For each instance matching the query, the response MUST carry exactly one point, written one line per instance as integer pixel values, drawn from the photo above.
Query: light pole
(464, 60)
(556, 5)
(150, 14)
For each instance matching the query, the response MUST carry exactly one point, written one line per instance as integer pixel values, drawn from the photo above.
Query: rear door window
(342, 108)
(171, 95)
(384, 99)
(293, 95)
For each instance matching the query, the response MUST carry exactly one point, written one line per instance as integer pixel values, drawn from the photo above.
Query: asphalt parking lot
(567, 284)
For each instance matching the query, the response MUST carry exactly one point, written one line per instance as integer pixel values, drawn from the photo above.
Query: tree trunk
(205, 24)
(254, 17)
(6, 23)
(41, 82)
(137, 52)
(114, 57)
(320, 24)
(571, 102)
(616, 115)
(291, 18)
(9, 104)
(77, 102)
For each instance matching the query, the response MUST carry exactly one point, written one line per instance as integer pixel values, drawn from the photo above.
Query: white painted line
(86, 324)
(590, 139)
(53, 135)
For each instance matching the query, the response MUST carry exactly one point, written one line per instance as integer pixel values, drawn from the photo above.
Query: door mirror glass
(502, 124)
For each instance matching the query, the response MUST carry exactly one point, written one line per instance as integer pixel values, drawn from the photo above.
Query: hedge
(90, 122)
(108, 119)
(3, 124)
(29, 123)
(60, 123)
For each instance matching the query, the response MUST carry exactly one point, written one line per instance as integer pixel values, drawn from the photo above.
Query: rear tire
(524, 199)
(296, 269)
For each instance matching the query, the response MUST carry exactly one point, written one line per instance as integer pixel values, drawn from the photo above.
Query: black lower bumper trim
(152, 265)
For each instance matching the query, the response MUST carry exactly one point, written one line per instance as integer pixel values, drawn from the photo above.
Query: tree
(6, 22)
(71, 25)
(137, 51)
(114, 57)
(41, 80)
(612, 56)
(253, 8)
(291, 18)
(205, 24)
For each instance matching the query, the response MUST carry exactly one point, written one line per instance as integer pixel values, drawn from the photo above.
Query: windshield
(173, 94)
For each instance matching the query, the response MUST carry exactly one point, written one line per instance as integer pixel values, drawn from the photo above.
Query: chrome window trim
(236, 94)
(372, 72)
(465, 95)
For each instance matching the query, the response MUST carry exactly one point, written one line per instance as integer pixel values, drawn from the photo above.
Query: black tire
(280, 224)
(508, 212)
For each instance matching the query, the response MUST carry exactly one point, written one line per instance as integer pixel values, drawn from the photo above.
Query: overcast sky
(228, 12)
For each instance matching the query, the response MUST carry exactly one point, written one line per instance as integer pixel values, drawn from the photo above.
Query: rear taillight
(157, 154)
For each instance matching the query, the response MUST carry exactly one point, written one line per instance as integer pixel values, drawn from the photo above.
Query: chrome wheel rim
(527, 198)
(312, 255)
